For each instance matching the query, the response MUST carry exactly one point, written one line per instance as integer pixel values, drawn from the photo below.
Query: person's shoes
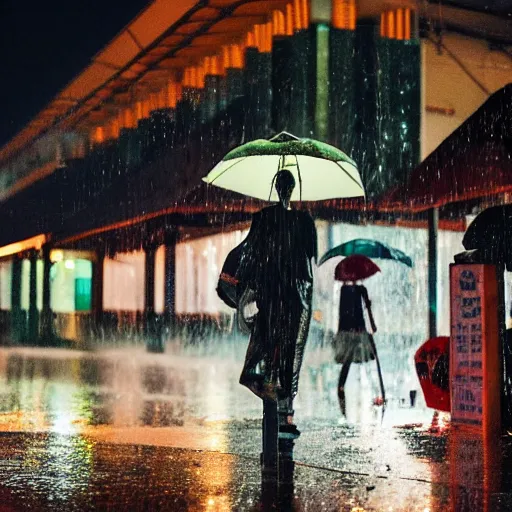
(288, 431)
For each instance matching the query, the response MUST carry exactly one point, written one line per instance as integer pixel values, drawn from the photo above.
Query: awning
(162, 40)
(475, 161)
(35, 242)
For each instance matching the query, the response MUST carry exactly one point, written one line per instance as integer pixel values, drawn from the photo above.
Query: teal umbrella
(369, 248)
(321, 171)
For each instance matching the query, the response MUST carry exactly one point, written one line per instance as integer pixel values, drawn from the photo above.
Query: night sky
(44, 45)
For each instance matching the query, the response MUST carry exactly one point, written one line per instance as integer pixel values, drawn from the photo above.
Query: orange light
(115, 128)
(268, 37)
(173, 94)
(400, 24)
(162, 98)
(278, 23)
(382, 25)
(352, 15)
(146, 108)
(139, 111)
(128, 118)
(289, 19)
(36, 242)
(237, 60)
(391, 24)
(215, 66)
(407, 25)
(258, 37)
(251, 40)
(305, 13)
(99, 135)
(297, 20)
(339, 14)
(226, 57)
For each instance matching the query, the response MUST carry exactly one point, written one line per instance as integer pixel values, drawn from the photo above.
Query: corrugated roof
(147, 46)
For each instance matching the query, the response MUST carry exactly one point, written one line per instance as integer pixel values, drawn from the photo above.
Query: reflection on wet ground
(127, 430)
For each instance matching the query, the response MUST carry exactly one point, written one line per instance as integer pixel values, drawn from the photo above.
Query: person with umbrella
(282, 243)
(274, 273)
(353, 343)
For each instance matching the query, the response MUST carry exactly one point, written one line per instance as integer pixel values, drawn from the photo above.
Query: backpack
(228, 286)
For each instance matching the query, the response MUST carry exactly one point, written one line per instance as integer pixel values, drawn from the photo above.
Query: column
(433, 221)
(46, 312)
(33, 314)
(153, 338)
(97, 290)
(17, 324)
(170, 279)
(321, 20)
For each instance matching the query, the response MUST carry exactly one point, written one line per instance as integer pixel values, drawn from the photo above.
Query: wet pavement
(127, 430)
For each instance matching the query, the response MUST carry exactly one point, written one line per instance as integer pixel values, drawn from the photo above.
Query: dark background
(45, 44)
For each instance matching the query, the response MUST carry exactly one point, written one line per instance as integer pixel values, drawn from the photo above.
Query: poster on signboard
(474, 348)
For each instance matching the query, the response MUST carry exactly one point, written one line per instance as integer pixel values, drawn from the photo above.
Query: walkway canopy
(475, 161)
(165, 40)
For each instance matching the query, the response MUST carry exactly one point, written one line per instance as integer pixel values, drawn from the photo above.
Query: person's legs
(341, 385)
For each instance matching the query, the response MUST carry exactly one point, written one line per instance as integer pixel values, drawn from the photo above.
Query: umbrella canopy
(432, 367)
(321, 171)
(474, 161)
(369, 248)
(355, 268)
(491, 234)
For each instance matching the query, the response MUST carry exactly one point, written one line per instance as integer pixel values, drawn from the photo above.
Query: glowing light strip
(36, 242)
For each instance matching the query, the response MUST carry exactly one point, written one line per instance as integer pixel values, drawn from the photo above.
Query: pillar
(153, 338)
(170, 279)
(33, 313)
(46, 312)
(294, 83)
(433, 221)
(97, 290)
(506, 351)
(17, 324)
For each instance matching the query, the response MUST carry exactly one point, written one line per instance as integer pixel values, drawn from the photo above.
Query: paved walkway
(131, 431)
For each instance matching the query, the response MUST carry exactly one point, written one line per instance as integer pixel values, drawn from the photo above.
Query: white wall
(123, 282)
(448, 86)
(62, 283)
(5, 284)
(160, 279)
(198, 265)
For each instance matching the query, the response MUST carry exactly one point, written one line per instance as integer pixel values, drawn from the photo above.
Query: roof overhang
(152, 49)
(35, 242)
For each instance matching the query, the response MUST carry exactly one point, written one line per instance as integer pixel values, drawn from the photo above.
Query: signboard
(474, 347)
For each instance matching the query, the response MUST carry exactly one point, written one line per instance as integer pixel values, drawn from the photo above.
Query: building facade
(98, 230)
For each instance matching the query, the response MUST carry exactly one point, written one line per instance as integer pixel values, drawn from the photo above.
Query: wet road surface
(127, 430)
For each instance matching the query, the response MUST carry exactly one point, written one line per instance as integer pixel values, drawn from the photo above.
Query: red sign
(474, 346)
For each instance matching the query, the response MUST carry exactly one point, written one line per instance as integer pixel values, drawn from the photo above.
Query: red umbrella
(432, 367)
(355, 268)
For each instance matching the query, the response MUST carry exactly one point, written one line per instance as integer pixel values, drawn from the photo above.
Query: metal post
(170, 280)
(153, 340)
(16, 313)
(46, 312)
(97, 290)
(506, 360)
(33, 314)
(269, 456)
(433, 222)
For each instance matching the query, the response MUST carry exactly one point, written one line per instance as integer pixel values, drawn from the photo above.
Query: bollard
(269, 455)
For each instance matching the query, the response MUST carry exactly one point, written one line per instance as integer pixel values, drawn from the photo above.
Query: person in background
(353, 343)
